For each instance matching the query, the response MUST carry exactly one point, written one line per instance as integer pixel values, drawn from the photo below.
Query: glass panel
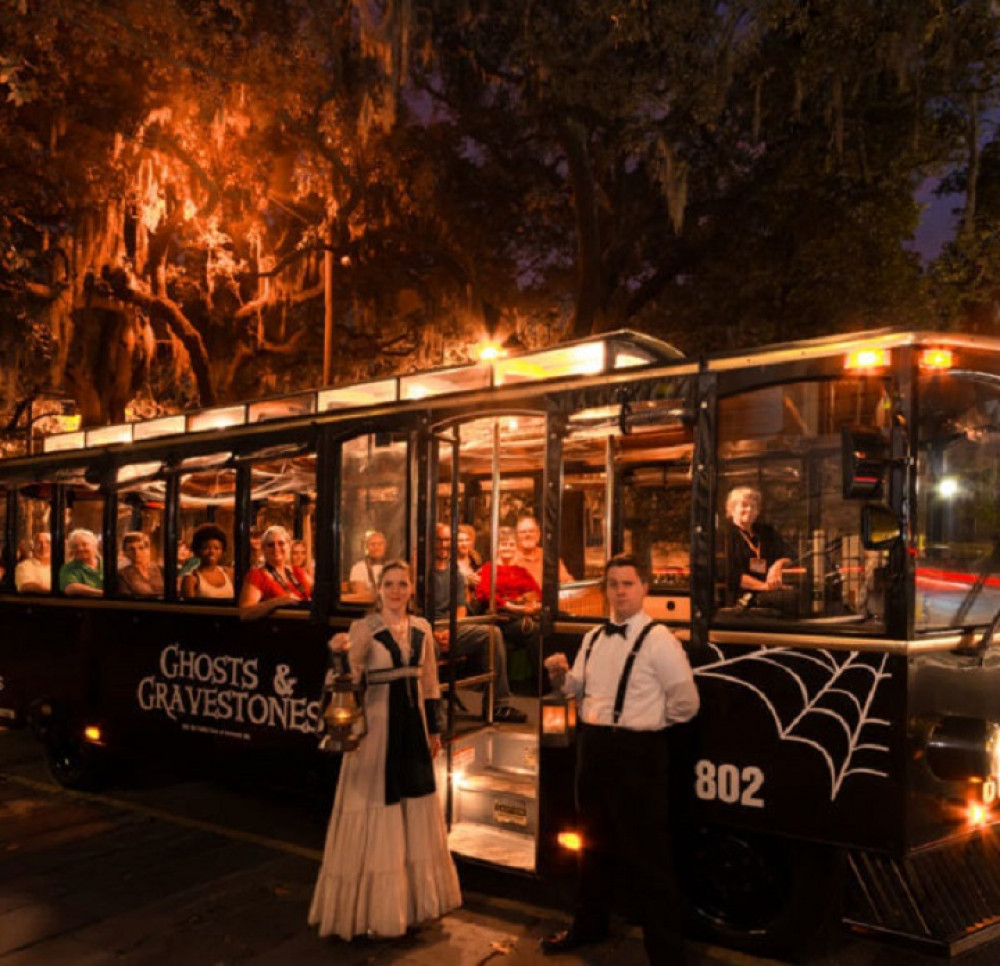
(574, 360)
(4, 580)
(284, 494)
(444, 381)
(139, 531)
(300, 405)
(657, 528)
(366, 394)
(34, 540)
(82, 574)
(163, 426)
(653, 461)
(206, 517)
(373, 513)
(494, 657)
(787, 542)
(216, 418)
(958, 519)
(106, 435)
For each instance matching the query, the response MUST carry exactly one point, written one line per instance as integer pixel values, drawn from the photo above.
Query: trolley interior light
(936, 359)
(93, 734)
(867, 358)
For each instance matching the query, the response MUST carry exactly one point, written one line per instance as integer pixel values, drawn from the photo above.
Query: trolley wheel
(71, 761)
(761, 894)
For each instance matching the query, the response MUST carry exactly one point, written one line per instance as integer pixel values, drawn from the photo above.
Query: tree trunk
(588, 230)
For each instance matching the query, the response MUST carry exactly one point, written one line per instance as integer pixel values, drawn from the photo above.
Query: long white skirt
(385, 867)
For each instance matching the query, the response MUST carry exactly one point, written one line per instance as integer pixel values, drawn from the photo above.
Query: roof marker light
(936, 359)
(867, 358)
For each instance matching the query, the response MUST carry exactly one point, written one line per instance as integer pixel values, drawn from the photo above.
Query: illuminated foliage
(194, 192)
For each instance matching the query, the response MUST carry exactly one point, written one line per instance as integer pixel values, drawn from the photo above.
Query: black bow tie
(612, 629)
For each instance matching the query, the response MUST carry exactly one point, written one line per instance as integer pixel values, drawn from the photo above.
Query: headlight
(961, 749)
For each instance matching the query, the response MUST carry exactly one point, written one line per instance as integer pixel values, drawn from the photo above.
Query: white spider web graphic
(819, 698)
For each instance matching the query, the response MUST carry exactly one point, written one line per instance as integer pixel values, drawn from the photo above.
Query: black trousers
(623, 806)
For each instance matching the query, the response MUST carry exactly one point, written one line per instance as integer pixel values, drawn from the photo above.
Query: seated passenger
(300, 557)
(34, 575)
(208, 578)
(518, 598)
(277, 583)
(756, 555)
(365, 573)
(473, 639)
(83, 574)
(142, 577)
(187, 559)
(529, 552)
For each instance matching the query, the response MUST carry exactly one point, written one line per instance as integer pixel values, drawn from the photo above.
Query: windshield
(958, 500)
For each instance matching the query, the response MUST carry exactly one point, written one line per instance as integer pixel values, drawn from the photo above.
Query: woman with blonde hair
(386, 864)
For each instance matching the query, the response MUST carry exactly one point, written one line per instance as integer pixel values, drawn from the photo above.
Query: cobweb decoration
(822, 699)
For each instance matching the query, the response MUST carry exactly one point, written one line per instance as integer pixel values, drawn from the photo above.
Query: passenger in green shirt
(83, 575)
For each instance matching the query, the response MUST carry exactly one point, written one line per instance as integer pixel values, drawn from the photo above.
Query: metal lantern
(344, 715)
(558, 720)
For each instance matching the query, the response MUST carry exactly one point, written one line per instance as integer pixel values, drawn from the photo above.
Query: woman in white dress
(386, 864)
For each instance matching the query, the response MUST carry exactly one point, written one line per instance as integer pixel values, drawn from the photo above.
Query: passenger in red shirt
(516, 591)
(277, 582)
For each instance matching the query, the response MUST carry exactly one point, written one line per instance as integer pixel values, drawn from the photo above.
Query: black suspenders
(626, 670)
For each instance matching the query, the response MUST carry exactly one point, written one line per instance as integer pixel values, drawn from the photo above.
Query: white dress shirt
(661, 689)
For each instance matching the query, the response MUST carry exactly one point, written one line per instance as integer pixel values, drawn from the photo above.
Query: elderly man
(529, 550)
(83, 574)
(34, 575)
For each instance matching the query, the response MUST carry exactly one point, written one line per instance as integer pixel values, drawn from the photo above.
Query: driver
(756, 555)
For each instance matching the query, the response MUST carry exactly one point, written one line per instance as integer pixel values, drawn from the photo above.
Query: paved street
(204, 873)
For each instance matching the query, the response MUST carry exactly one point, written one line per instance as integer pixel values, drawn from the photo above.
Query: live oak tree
(195, 194)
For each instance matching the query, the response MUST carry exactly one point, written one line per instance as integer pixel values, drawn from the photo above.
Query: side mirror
(879, 527)
(864, 456)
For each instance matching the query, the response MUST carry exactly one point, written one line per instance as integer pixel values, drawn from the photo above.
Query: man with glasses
(141, 577)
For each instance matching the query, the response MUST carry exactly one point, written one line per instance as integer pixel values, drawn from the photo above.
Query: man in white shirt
(632, 681)
(365, 573)
(34, 575)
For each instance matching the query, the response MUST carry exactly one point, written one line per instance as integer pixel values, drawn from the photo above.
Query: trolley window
(373, 512)
(787, 541)
(33, 573)
(139, 531)
(958, 517)
(207, 499)
(83, 572)
(283, 493)
(4, 561)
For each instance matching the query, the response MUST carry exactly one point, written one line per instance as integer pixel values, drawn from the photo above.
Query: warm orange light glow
(870, 358)
(573, 841)
(554, 720)
(977, 814)
(936, 359)
(93, 734)
(489, 351)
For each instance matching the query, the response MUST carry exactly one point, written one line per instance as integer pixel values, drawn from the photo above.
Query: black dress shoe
(567, 940)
